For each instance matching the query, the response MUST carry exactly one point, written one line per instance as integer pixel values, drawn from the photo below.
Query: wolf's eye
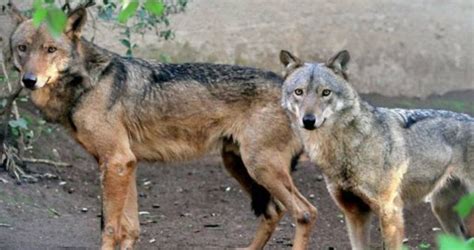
(326, 92)
(52, 49)
(298, 91)
(22, 48)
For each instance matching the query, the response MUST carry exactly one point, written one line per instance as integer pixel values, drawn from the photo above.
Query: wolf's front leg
(392, 225)
(119, 200)
(356, 213)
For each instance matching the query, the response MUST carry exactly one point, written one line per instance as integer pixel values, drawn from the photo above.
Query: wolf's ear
(75, 22)
(13, 12)
(338, 63)
(290, 61)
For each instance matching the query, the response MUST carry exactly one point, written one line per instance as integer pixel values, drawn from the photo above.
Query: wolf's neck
(57, 101)
(330, 146)
(359, 116)
(95, 59)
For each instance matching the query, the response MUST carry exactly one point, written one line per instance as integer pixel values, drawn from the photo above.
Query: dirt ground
(190, 205)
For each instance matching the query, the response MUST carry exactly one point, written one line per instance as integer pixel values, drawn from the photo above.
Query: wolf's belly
(422, 180)
(172, 141)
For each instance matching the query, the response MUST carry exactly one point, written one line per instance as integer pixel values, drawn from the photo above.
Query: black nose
(309, 121)
(29, 80)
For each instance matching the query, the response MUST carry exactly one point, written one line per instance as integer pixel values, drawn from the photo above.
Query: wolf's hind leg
(261, 198)
(271, 170)
(357, 214)
(442, 203)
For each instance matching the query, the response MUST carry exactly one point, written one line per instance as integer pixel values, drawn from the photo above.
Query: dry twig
(46, 161)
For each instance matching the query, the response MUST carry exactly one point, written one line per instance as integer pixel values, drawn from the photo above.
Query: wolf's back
(412, 116)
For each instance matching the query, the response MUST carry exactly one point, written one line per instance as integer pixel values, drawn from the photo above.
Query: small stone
(319, 177)
(143, 213)
(62, 183)
(311, 196)
(405, 240)
(436, 229)
(152, 240)
(227, 189)
(84, 209)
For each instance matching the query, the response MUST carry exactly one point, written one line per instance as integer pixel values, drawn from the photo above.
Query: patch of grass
(407, 104)
(424, 245)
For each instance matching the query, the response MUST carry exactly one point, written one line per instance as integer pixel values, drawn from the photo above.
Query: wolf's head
(315, 94)
(37, 55)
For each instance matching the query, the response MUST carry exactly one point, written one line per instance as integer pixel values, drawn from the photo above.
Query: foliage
(464, 206)
(424, 245)
(449, 242)
(133, 16)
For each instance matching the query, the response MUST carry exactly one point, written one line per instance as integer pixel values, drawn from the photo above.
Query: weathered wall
(404, 47)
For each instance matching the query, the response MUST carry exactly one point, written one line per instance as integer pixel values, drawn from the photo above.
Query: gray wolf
(377, 160)
(123, 110)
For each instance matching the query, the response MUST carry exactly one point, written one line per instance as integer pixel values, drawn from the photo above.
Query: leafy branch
(146, 15)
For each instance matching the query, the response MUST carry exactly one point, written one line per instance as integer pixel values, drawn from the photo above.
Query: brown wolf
(123, 110)
(376, 160)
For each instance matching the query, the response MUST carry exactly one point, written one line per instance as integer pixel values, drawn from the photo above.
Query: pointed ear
(75, 22)
(290, 62)
(338, 63)
(13, 12)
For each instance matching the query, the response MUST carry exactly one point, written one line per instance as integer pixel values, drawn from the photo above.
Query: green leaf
(156, 7)
(128, 11)
(20, 123)
(37, 4)
(39, 13)
(464, 206)
(470, 243)
(129, 53)
(56, 21)
(125, 43)
(424, 245)
(448, 242)
(15, 132)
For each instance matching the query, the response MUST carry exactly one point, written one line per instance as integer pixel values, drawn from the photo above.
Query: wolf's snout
(309, 121)
(29, 80)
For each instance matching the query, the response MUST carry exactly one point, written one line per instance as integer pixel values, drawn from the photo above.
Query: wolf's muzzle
(309, 121)
(29, 80)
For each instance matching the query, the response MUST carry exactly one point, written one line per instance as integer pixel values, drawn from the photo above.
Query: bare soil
(187, 205)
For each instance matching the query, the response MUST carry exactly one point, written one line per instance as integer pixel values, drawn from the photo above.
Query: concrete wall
(404, 47)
